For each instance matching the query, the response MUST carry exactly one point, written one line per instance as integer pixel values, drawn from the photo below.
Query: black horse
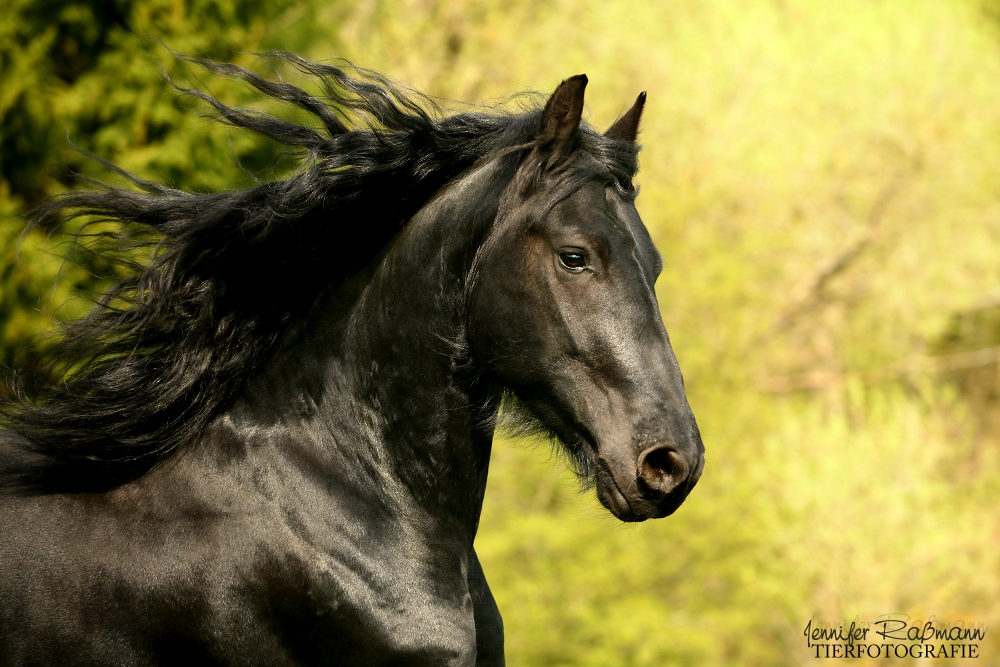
(270, 442)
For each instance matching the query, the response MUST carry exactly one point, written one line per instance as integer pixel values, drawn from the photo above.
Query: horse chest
(226, 591)
(364, 607)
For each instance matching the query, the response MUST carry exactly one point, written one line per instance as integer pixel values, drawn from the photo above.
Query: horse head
(563, 314)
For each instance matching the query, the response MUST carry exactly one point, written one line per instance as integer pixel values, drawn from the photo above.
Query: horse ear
(562, 115)
(627, 127)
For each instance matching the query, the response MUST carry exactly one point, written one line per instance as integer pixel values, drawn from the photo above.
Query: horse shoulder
(144, 573)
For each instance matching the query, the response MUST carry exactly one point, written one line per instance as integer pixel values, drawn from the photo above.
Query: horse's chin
(638, 510)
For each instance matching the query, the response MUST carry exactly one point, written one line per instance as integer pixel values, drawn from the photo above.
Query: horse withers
(271, 442)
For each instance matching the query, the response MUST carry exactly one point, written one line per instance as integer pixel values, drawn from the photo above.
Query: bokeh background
(823, 180)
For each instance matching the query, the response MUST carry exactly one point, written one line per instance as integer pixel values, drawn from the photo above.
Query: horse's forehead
(599, 205)
(602, 209)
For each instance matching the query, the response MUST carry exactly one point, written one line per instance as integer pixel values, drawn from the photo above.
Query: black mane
(230, 275)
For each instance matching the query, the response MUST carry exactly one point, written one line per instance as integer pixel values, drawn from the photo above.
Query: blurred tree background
(823, 180)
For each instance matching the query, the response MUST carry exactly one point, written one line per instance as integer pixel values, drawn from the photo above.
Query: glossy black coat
(326, 514)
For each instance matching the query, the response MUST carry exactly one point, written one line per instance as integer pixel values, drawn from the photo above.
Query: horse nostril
(662, 469)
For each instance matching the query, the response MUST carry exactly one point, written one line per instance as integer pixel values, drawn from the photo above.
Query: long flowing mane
(230, 275)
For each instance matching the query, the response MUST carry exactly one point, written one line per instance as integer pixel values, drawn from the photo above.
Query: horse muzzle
(654, 486)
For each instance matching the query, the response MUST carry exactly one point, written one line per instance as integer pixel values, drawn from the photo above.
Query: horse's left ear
(561, 116)
(627, 127)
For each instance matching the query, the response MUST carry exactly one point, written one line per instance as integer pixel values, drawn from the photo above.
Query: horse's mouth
(616, 503)
(639, 508)
(612, 497)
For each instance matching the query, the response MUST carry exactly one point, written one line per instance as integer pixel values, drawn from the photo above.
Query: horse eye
(574, 261)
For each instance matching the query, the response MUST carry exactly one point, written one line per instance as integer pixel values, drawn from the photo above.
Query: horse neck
(395, 404)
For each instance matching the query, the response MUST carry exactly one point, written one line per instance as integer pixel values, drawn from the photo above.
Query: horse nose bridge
(661, 413)
(655, 364)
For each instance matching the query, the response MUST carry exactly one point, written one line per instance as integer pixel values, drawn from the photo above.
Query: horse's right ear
(626, 128)
(561, 117)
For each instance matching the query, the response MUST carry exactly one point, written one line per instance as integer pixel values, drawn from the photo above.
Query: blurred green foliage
(823, 180)
(94, 74)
